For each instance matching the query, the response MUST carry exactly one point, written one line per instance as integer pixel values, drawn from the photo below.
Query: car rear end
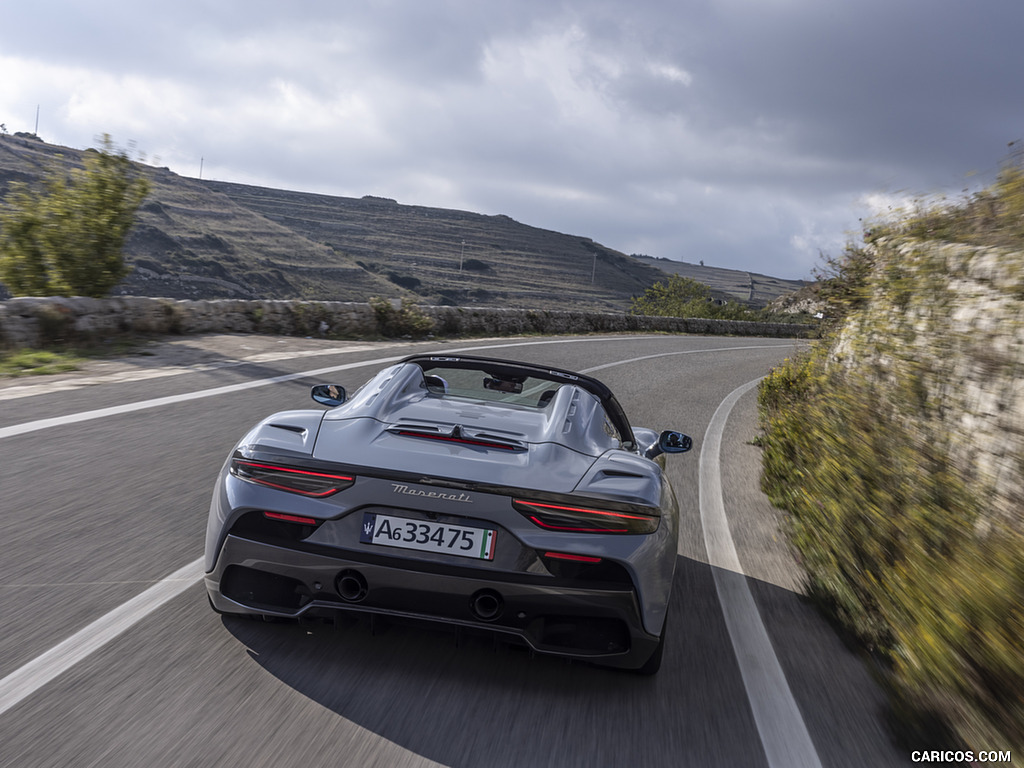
(565, 573)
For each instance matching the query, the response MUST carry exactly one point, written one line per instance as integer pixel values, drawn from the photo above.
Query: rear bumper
(603, 625)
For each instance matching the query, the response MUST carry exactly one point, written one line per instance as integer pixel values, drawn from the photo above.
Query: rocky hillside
(949, 317)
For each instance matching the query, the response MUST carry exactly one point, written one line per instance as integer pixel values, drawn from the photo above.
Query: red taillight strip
(570, 518)
(579, 529)
(573, 558)
(556, 507)
(291, 518)
(463, 440)
(250, 470)
(278, 468)
(290, 489)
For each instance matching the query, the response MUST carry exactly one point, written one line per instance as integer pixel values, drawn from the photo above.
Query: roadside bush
(67, 238)
(680, 296)
(407, 321)
(868, 490)
(676, 297)
(310, 318)
(991, 217)
(887, 534)
(960, 659)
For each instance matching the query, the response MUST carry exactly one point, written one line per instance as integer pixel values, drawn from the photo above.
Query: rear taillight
(573, 519)
(572, 558)
(308, 482)
(286, 518)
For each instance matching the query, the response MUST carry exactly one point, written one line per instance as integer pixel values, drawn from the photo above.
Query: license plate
(428, 536)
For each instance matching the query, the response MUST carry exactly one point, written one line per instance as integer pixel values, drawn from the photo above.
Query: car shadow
(482, 703)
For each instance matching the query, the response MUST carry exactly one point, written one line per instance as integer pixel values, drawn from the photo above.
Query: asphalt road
(97, 509)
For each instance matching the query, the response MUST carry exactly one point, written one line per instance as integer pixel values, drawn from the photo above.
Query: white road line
(144, 374)
(100, 413)
(685, 352)
(784, 735)
(62, 657)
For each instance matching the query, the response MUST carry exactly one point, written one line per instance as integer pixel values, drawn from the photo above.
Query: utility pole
(200, 169)
(593, 271)
(37, 122)
(461, 254)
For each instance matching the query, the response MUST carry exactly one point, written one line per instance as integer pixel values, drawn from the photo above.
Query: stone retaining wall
(949, 318)
(37, 322)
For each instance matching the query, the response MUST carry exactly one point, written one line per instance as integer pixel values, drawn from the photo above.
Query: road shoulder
(843, 707)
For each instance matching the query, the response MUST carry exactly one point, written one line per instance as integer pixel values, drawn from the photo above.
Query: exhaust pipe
(486, 604)
(352, 586)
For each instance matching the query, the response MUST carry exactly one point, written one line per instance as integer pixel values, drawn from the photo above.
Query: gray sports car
(480, 493)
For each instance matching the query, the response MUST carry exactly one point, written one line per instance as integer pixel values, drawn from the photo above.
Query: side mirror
(330, 395)
(674, 442)
(670, 442)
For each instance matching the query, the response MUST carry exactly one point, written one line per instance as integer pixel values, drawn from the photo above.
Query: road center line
(116, 410)
(784, 735)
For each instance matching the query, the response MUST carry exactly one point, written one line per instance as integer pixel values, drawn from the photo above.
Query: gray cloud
(747, 133)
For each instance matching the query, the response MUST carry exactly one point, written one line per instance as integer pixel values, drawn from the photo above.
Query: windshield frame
(510, 369)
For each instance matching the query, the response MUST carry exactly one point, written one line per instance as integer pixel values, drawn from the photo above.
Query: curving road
(104, 491)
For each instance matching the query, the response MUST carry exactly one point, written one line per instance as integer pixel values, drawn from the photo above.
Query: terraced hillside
(455, 257)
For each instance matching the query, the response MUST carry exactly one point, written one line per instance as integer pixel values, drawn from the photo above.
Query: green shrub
(676, 297)
(67, 239)
(32, 362)
(867, 491)
(889, 535)
(992, 217)
(680, 296)
(407, 321)
(310, 318)
(959, 657)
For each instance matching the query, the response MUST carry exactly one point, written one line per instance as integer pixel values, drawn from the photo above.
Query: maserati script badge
(396, 488)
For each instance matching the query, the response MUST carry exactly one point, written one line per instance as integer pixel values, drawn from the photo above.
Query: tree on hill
(676, 297)
(67, 238)
(685, 297)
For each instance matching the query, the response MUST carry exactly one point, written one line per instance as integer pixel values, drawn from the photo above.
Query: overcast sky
(749, 134)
